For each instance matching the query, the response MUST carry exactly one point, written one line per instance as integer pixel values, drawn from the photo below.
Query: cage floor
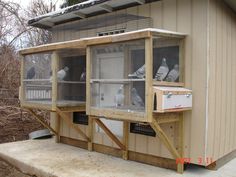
(124, 108)
(61, 103)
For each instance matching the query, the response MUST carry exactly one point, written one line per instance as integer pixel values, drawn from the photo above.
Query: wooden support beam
(41, 120)
(180, 166)
(110, 134)
(66, 118)
(106, 8)
(126, 140)
(57, 126)
(166, 120)
(90, 131)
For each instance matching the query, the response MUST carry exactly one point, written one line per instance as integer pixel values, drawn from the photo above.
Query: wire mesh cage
(71, 76)
(167, 59)
(118, 76)
(37, 74)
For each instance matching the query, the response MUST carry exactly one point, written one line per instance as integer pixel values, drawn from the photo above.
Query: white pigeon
(119, 97)
(136, 99)
(140, 73)
(162, 71)
(62, 73)
(173, 74)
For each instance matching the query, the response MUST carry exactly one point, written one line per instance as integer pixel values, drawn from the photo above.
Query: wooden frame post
(125, 154)
(22, 85)
(88, 76)
(149, 77)
(57, 126)
(90, 133)
(55, 62)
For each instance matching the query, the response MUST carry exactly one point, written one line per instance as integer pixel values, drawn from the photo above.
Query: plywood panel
(212, 85)
(156, 12)
(184, 19)
(199, 67)
(222, 86)
(169, 15)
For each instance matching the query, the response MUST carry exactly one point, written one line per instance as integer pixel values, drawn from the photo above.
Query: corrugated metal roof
(82, 10)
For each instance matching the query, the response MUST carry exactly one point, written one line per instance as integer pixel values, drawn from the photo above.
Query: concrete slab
(48, 159)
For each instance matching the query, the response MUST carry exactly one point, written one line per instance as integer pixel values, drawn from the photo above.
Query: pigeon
(162, 71)
(140, 73)
(119, 97)
(62, 73)
(136, 99)
(173, 74)
(83, 76)
(30, 73)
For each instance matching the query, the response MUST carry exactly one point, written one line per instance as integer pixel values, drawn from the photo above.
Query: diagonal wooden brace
(163, 137)
(66, 118)
(110, 134)
(41, 120)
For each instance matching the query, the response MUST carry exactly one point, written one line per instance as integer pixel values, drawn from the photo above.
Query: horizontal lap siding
(187, 16)
(222, 80)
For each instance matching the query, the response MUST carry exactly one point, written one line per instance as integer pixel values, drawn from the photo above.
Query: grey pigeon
(62, 73)
(136, 99)
(173, 74)
(83, 76)
(162, 71)
(140, 73)
(119, 97)
(30, 73)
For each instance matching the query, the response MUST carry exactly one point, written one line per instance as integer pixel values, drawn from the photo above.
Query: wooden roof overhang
(84, 42)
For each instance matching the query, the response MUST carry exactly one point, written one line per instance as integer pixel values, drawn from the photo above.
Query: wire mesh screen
(37, 74)
(118, 76)
(166, 60)
(71, 76)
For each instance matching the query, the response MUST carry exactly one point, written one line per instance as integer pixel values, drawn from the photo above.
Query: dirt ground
(7, 170)
(15, 125)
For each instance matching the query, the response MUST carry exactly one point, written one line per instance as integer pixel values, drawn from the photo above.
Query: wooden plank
(125, 139)
(165, 120)
(36, 106)
(70, 124)
(73, 108)
(74, 142)
(152, 160)
(110, 134)
(41, 120)
(168, 84)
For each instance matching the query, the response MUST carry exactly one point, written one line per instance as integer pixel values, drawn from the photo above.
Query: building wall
(221, 129)
(186, 16)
